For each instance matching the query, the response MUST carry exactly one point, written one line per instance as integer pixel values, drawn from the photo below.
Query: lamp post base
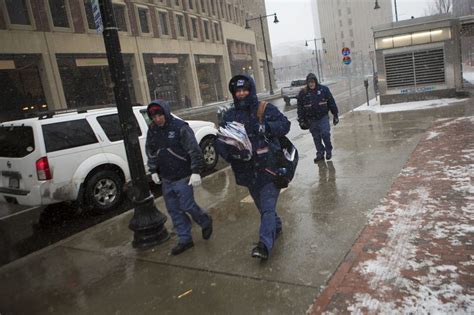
(148, 225)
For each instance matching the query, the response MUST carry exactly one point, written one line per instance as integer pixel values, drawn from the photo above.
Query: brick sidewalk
(416, 255)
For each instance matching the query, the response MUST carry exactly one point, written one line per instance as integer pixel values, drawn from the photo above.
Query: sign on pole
(347, 60)
(346, 51)
(97, 17)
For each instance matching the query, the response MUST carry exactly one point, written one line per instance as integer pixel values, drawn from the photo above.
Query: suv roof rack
(79, 110)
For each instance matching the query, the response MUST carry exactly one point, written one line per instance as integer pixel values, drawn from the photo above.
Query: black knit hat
(239, 82)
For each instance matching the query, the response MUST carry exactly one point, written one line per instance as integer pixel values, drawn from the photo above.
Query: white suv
(77, 156)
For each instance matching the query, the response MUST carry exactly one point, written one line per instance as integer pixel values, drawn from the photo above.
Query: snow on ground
(407, 106)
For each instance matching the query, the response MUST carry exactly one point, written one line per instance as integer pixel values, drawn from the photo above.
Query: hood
(311, 76)
(164, 105)
(251, 99)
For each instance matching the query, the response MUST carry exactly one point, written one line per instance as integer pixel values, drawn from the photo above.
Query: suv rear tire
(104, 191)
(210, 154)
(287, 101)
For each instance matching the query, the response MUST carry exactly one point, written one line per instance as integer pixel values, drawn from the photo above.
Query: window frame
(158, 12)
(176, 24)
(139, 22)
(12, 26)
(69, 29)
(191, 18)
(209, 31)
(217, 35)
(75, 147)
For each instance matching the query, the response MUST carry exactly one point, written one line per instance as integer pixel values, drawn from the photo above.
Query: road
(25, 230)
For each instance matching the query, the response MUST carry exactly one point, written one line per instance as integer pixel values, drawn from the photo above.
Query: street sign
(346, 51)
(97, 17)
(346, 60)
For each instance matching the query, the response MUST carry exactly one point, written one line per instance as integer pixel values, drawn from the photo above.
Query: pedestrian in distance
(176, 160)
(314, 103)
(252, 169)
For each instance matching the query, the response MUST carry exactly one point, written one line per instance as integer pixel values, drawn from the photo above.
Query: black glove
(303, 124)
(335, 120)
(243, 155)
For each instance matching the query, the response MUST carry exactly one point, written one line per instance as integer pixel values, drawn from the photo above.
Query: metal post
(321, 65)
(373, 77)
(396, 12)
(147, 222)
(366, 85)
(317, 59)
(266, 57)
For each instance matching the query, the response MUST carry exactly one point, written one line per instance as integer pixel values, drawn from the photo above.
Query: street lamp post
(319, 66)
(147, 222)
(395, 3)
(261, 17)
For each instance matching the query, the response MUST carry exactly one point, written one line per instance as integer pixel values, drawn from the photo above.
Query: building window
(144, 21)
(180, 26)
(222, 5)
(206, 30)
(342, 34)
(351, 33)
(352, 44)
(340, 23)
(194, 28)
(190, 4)
(89, 15)
(164, 23)
(203, 6)
(339, 12)
(59, 14)
(213, 7)
(177, 3)
(348, 10)
(229, 9)
(217, 32)
(349, 21)
(18, 12)
(120, 17)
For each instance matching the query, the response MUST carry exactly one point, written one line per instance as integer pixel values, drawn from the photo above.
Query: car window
(67, 135)
(16, 141)
(111, 126)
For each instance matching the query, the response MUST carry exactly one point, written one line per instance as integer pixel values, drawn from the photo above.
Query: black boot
(207, 231)
(319, 158)
(181, 247)
(260, 251)
(328, 155)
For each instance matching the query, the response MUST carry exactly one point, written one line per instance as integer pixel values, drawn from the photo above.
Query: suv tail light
(42, 169)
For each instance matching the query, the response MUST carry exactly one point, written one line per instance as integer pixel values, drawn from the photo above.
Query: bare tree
(436, 7)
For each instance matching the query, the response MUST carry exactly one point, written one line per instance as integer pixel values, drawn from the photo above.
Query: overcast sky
(296, 20)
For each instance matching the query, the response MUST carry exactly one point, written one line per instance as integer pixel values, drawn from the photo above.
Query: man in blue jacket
(314, 103)
(175, 156)
(252, 169)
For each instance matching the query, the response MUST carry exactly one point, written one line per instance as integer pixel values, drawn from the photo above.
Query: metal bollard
(366, 85)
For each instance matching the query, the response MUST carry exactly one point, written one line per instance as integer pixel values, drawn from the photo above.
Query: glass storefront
(86, 80)
(209, 78)
(240, 56)
(166, 75)
(22, 94)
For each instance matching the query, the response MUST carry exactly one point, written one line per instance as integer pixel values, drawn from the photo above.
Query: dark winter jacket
(253, 172)
(315, 104)
(172, 150)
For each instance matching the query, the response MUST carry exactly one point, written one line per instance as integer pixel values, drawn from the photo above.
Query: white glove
(195, 180)
(155, 178)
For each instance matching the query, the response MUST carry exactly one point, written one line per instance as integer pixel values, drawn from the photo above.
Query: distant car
(76, 156)
(292, 91)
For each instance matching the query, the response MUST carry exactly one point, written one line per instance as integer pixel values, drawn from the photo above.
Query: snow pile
(407, 106)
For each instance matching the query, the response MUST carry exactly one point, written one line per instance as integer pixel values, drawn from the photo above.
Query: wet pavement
(323, 212)
(24, 230)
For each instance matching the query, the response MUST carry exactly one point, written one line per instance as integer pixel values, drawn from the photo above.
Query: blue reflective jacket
(315, 104)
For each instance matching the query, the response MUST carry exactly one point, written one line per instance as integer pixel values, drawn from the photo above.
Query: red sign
(346, 60)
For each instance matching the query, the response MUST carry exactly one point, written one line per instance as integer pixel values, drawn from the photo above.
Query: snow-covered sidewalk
(416, 254)
(401, 107)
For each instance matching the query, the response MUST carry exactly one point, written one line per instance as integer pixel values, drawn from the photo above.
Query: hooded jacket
(253, 172)
(315, 104)
(172, 149)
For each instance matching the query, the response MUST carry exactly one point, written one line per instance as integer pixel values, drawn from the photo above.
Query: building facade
(184, 51)
(345, 23)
